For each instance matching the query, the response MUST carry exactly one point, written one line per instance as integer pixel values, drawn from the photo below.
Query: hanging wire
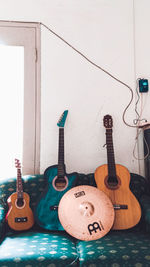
(137, 122)
(90, 61)
(97, 66)
(136, 142)
(138, 119)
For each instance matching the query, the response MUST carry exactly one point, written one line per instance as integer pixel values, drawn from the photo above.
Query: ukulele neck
(19, 185)
(61, 168)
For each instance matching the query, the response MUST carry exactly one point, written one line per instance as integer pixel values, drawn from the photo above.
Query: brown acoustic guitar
(19, 216)
(114, 179)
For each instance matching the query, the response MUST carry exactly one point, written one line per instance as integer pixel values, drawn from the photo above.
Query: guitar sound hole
(60, 183)
(112, 182)
(20, 202)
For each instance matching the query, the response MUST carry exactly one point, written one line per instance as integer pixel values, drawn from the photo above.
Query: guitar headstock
(17, 164)
(62, 119)
(108, 122)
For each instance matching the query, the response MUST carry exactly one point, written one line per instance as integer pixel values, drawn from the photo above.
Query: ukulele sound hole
(60, 183)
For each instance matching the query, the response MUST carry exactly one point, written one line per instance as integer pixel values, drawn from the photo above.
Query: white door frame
(28, 35)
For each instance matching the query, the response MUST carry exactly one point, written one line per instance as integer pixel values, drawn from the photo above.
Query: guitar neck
(110, 153)
(61, 170)
(19, 184)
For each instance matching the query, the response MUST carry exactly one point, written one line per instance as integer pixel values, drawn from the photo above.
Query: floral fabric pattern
(38, 247)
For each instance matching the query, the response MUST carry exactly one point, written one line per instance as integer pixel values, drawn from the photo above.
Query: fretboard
(61, 171)
(19, 184)
(110, 154)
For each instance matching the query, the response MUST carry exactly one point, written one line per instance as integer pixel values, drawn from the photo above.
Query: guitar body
(119, 195)
(19, 217)
(46, 211)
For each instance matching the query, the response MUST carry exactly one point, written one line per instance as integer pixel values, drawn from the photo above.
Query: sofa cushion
(38, 249)
(116, 249)
(2, 222)
(145, 204)
(139, 185)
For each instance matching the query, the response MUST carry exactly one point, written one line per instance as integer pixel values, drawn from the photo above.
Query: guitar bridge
(54, 207)
(21, 219)
(120, 207)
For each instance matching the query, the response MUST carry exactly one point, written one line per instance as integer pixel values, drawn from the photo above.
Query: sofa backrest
(35, 184)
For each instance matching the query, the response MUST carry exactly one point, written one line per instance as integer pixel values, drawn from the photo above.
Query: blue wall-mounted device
(143, 85)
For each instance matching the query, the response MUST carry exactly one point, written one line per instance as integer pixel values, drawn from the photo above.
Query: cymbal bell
(86, 213)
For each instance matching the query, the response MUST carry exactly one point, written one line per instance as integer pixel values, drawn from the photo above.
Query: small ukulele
(19, 216)
(113, 179)
(58, 182)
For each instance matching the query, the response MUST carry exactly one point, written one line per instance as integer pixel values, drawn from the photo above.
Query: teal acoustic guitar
(58, 183)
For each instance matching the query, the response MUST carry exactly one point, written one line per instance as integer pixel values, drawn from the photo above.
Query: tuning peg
(17, 163)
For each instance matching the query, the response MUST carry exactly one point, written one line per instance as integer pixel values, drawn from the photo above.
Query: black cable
(90, 61)
(97, 66)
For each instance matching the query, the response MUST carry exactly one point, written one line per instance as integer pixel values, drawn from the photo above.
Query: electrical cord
(91, 62)
(138, 119)
(146, 144)
(73, 262)
(137, 122)
(97, 66)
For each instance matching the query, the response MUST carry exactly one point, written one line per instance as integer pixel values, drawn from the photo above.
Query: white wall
(104, 31)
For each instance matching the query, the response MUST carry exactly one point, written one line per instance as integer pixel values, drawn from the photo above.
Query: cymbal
(86, 213)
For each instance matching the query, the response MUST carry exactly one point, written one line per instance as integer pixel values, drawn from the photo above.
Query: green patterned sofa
(38, 247)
